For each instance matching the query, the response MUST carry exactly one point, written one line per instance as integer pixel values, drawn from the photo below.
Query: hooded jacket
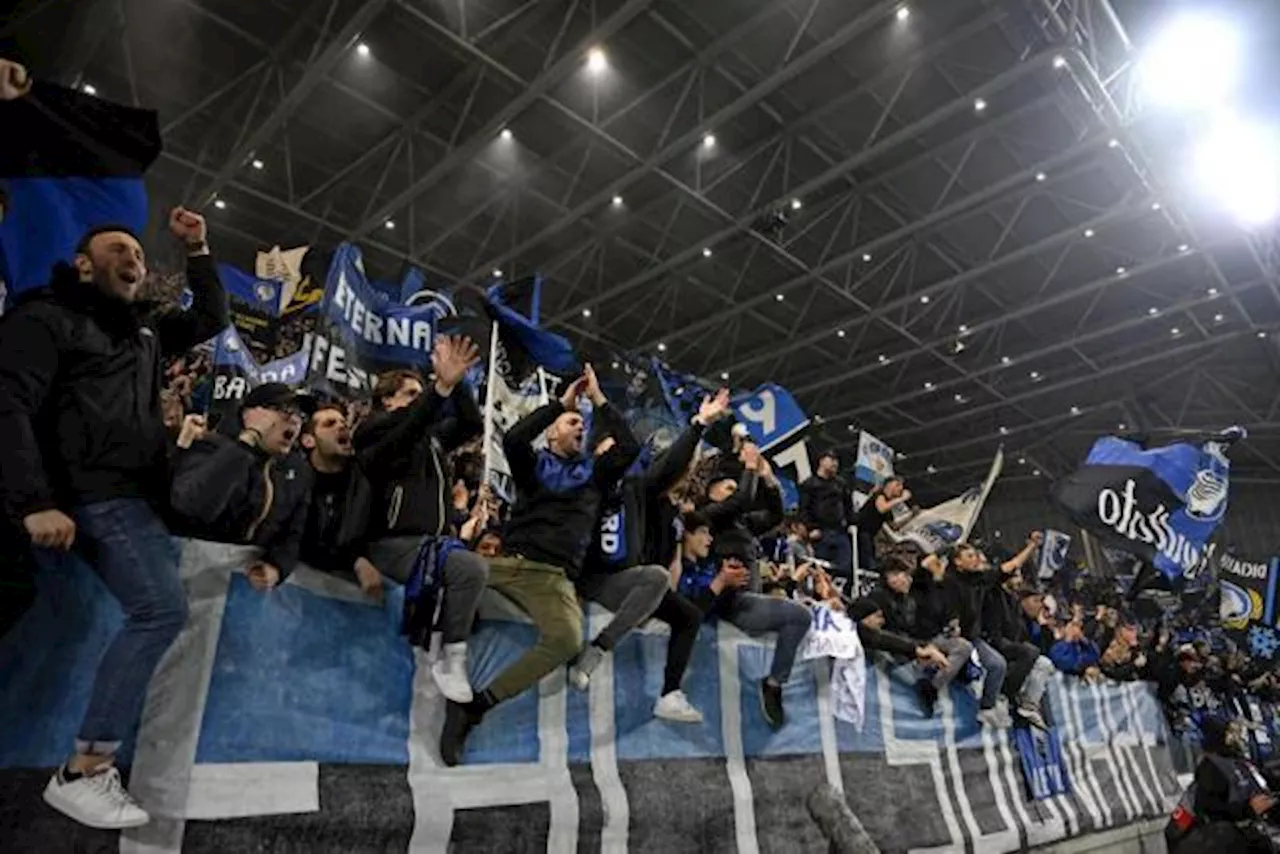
(225, 491)
(80, 379)
(402, 456)
(558, 500)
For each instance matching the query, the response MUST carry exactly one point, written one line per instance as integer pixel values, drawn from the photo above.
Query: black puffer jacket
(402, 454)
(80, 391)
(227, 492)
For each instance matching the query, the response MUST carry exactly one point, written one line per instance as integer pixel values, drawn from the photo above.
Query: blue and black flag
(514, 308)
(68, 162)
(1162, 504)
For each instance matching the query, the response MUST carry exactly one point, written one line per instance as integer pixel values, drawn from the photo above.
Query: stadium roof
(954, 223)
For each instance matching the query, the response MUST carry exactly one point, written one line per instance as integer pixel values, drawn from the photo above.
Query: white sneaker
(95, 800)
(993, 718)
(677, 708)
(1032, 715)
(588, 661)
(450, 673)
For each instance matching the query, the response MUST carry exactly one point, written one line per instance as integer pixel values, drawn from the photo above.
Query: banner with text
(951, 521)
(235, 373)
(1248, 602)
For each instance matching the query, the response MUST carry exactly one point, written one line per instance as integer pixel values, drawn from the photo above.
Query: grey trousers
(632, 595)
(464, 580)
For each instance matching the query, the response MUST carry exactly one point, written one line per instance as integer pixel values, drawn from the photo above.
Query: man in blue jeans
(826, 507)
(84, 464)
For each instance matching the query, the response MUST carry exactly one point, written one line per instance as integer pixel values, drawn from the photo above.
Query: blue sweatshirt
(1074, 657)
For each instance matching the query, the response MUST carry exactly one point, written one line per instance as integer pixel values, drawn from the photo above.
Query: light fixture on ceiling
(1088, 232)
(586, 312)
(1192, 63)
(89, 89)
(597, 62)
(1059, 62)
(963, 328)
(1113, 143)
(840, 333)
(1005, 360)
(257, 164)
(979, 105)
(1022, 461)
(1153, 311)
(796, 204)
(1075, 410)
(931, 469)
(882, 359)
(1213, 292)
(1004, 431)
(903, 13)
(959, 398)
(924, 299)
(866, 257)
(506, 135)
(1122, 426)
(928, 386)
(1041, 177)
(389, 224)
(497, 274)
(1035, 472)
(662, 348)
(1235, 165)
(220, 204)
(1035, 375)
(1218, 318)
(617, 201)
(362, 50)
(724, 375)
(1183, 247)
(1175, 331)
(779, 297)
(1155, 206)
(1120, 271)
(709, 140)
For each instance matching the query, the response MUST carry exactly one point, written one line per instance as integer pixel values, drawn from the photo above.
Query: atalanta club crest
(1207, 497)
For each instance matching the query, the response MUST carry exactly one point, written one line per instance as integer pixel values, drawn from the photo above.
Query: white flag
(1053, 552)
(951, 521)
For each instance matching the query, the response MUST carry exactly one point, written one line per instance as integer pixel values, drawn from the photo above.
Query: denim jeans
(131, 551)
(996, 666)
(836, 548)
(756, 614)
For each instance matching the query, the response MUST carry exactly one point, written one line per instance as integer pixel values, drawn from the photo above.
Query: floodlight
(1193, 63)
(89, 89)
(1238, 163)
(362, 49)
(709, 140)
(596, 60)
(903, 13)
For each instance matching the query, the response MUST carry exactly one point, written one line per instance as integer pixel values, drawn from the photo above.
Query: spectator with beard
(1123, 660)
(887, 505)
(559, 494)
(930, 615)
(826, 508)
(622, 565)
(402, 450)
(718, 586)
(1037, 619)
(331, 542)
(84, 461)
(249, 489)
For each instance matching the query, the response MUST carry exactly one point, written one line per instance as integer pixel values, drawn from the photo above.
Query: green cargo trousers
(546, 595)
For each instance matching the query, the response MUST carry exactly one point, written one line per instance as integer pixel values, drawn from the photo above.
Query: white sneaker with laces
(993, 718)
(95, 800)
(450, 673)
(588, 661)
(677, 708)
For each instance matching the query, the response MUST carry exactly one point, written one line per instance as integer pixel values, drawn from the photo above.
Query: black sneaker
(459, 720)
(928, 698)
(771, 702)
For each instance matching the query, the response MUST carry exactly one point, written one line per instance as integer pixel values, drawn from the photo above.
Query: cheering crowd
(107, 452)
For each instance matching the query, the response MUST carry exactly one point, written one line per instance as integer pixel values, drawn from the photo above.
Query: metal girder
(485, 135)
(316, 72)
(1047, 388)
(808, 188)
(688, 139)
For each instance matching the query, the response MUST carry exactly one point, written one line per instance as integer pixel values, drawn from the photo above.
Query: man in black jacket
(623, 555)
(250, 489)
(826, 508)
(559, 494)
(84, 461)
(402, 451)
(743, 502)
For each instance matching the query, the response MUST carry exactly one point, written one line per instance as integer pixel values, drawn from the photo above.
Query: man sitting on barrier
(719, 587)
(249, 489)
(401, 449)
(930, 618)
(624, 556)
(559, 494)
(84, 462)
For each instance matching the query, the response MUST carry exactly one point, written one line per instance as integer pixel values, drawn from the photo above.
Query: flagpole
(490, 385)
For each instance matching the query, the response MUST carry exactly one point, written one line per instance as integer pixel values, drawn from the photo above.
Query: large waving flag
(236, 372)
(950, 522)
(69, 162)
(525, 363)
(1163, 504)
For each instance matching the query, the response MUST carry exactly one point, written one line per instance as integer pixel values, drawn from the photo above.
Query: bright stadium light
(903, 13)
(1238, 164)
(596, 60)
(1193, 63)
(363, 50)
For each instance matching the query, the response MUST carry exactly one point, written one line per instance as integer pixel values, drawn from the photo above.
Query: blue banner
(1164, 504)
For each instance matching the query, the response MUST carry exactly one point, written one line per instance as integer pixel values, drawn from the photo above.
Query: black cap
(279, 396)
(862, 608)
(829, 452)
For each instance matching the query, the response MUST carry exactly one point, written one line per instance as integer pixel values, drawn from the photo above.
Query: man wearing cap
(84, 461)
(826, 508)
(250, 489)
